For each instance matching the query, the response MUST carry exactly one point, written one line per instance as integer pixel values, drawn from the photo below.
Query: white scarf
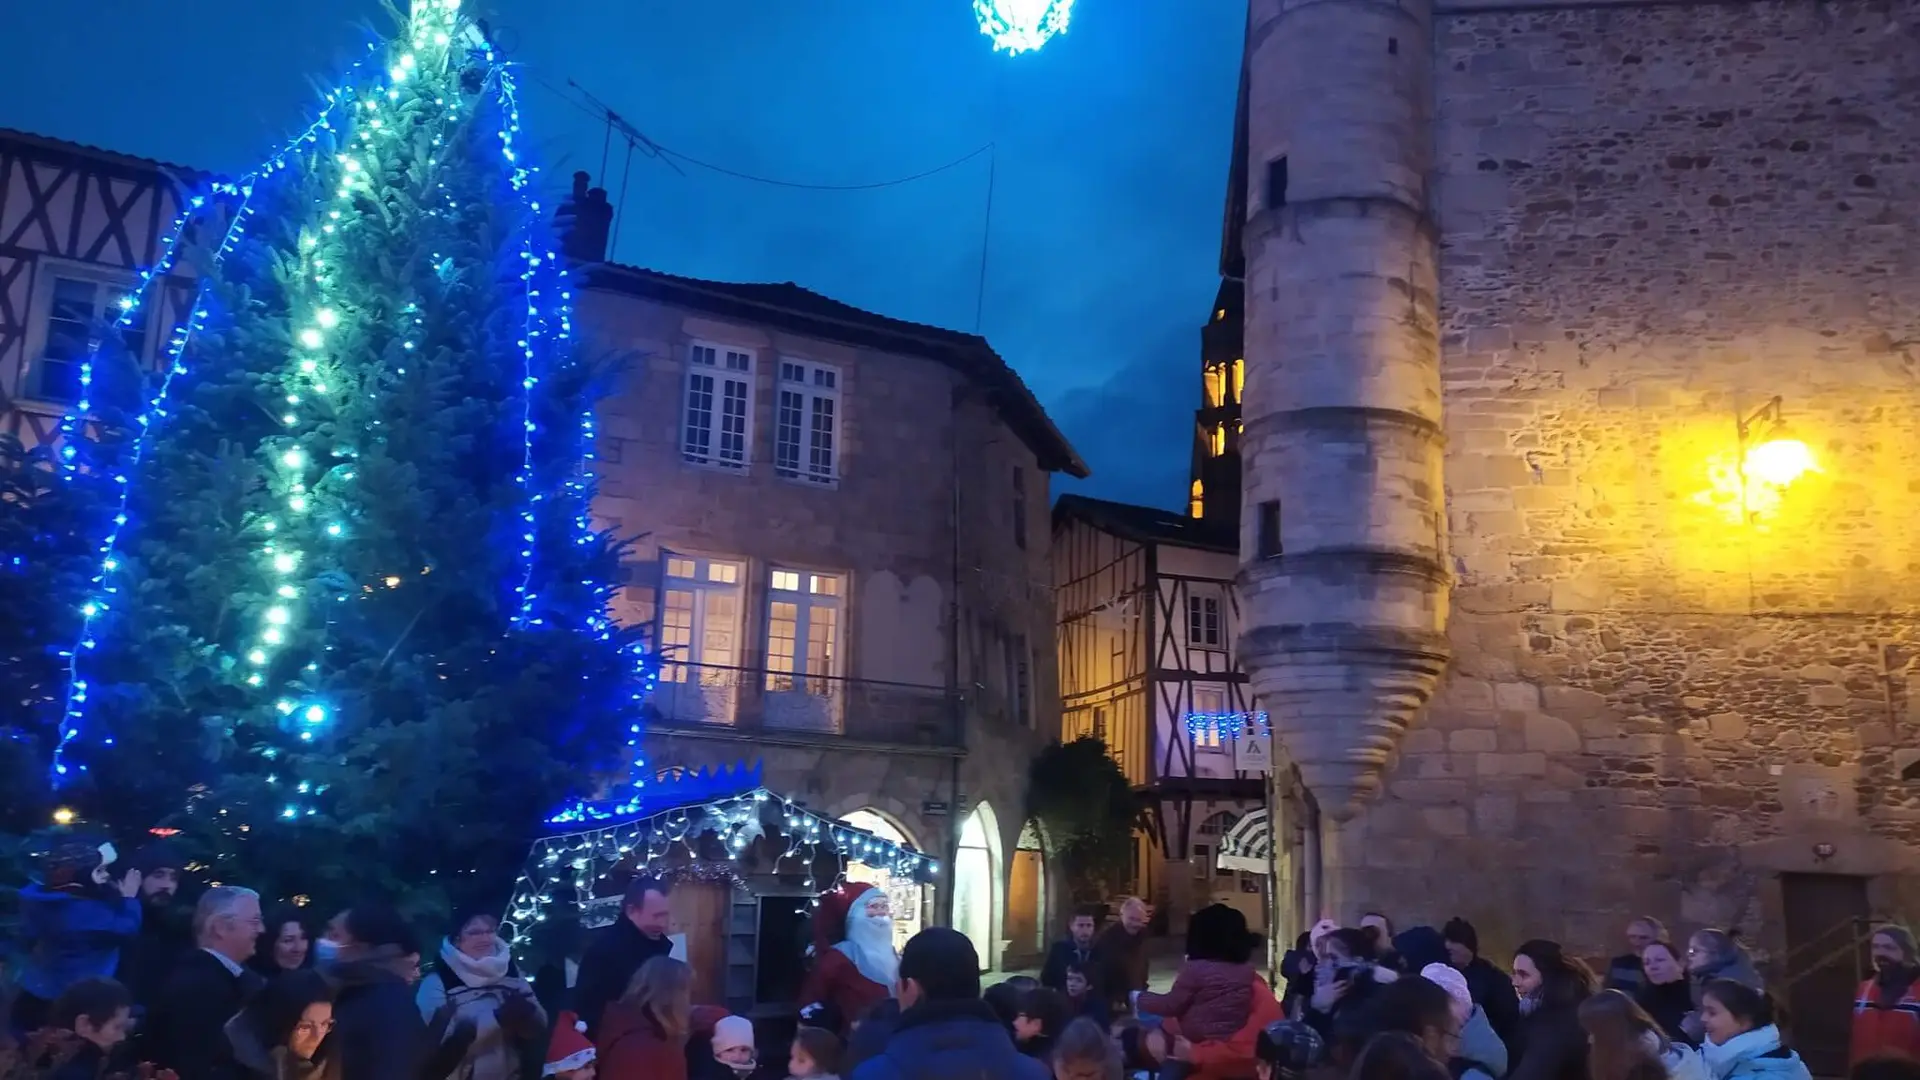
(483, 972)
(1722, 1057)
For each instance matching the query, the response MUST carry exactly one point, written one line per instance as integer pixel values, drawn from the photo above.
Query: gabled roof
(51, 147)
(803, 311)
(1146, 524)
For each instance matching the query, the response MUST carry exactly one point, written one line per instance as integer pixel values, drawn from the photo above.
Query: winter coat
(1755, 1055)
(1886, 1018)
(1210, 999)
(88, 1062)
(278, 1063)
(1062, 955)
(613, 954)
(1626, 974)
(69, 935)
(187, 1026)
(1549, 1044)
(1683, 1062)
(1492, 990)
(1349, 1016)
(377, 1032)
(1122, 962)
(147, 958)
(478, 991)
(871, 1034)
(1482, 1053)
(1738, 967)
(951, 1040)
(1232, 1058)
(1668, 1004)
(630, 1046)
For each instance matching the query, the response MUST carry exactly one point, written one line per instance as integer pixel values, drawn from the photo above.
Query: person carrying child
(74, 919)
(1212, 996)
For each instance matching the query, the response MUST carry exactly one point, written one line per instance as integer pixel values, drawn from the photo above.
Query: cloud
(1135, 430)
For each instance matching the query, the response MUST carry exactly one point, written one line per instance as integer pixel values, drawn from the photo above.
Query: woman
(1714, 954)
(1396, 1055)
(284, 945)
(1624, 1043)
(1423, 1009)
(1343, 984)
(477, 981)
(1549, 1044)
(643, 1035)
(1743, 1038)
(1664, 992)
(279, 1034)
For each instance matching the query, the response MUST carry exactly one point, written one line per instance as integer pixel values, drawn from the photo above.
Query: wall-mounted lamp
(1767, 454)
(1823, 851)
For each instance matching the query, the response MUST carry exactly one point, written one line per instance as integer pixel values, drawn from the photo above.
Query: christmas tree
(351, 626)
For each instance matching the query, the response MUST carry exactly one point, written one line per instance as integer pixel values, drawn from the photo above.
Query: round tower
(1344, 572)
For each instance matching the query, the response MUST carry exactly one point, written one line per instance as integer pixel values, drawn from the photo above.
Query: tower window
(1239, 381)
(1267, 537)
(1277, 183)
(1196, 501)
(1215, 381)
(1219, 440)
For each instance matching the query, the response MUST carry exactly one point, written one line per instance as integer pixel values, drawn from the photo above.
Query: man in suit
(186, 1028)
(615, 952)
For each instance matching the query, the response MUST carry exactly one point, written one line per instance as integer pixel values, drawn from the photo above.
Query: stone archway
(909, 898)
(977, 888)
(1026, 917)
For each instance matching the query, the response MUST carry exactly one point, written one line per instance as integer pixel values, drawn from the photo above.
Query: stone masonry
(1665, 691)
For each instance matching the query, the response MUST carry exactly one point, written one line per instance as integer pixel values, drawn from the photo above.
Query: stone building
(840, 542)
(1549, 307)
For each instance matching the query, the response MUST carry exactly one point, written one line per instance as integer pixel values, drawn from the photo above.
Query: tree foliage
(312, 663)
(1081, 797)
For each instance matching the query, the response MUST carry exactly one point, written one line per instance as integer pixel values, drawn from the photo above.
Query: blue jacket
(951, 1040)
(1754, 1055)
(71, 936)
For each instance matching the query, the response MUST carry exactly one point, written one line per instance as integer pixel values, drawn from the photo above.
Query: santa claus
(854, 965)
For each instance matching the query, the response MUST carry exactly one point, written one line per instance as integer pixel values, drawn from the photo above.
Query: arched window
(1219, 824)
(1196, 501)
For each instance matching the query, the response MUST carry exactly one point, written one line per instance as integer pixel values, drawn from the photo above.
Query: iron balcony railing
(827, 706)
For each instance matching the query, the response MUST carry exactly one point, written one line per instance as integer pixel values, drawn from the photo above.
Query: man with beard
(854, 965)
(1076, 951)
(1886, 1011)
(166, 931)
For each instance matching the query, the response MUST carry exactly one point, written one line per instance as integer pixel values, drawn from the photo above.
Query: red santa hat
(830, 921)
(569, 1049)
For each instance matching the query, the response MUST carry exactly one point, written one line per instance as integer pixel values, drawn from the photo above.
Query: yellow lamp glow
(63, 816)
(1779, 462)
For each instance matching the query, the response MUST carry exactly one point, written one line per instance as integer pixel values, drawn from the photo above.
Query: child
(73, 921)
(1285, 1050)
(1038, 1021)
(1082, 1000)
(815, 1055)
(1212, 996)
(733, 1045)
(1084, 1052)
(569, 1055)
(100, 1012)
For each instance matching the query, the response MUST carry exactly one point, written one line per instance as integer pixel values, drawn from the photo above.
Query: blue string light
(1018, 26)
(1212, 728)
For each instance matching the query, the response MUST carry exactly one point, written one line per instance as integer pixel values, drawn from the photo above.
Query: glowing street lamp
(1769, 460)
(1018, 26)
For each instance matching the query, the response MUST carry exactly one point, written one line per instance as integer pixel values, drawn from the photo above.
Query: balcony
(693, 697)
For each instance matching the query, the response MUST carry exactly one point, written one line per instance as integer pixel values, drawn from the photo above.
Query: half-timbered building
(78, 226)
(1147, 626)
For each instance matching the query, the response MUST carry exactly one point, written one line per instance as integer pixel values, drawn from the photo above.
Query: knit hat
(70, 864)
(159, 855)
(1289, 1046)
(1902, 939)
(830, 920)
(732, 1032)
(1454, 983)
(569, 1048)
(1461, 932)
(1320, 930)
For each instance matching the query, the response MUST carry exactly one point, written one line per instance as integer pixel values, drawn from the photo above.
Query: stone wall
(1666, 691)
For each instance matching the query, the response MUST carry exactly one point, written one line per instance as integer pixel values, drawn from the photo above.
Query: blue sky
(1110, 160)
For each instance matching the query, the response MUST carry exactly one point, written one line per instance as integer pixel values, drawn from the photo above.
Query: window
(1214, 380)
(699, 619)
(1196, 500)
(1020, 508)
(1203, 622)
(1239, 381)
(805, 422)
(1277, 183)
(1208, 707)
(1219, 823)
(1019, 680)
(1217, 442)
(1100, 722)
(803, 627)
(719, 420)
(80, 311)
(1267, 539)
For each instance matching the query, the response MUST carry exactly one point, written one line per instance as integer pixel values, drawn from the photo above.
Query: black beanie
(1461, 932)
(157, 856)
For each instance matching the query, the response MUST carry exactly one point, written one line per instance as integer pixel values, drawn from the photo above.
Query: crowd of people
(114, 974)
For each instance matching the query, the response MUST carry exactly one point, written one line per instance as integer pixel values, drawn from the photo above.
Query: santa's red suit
(836, 979)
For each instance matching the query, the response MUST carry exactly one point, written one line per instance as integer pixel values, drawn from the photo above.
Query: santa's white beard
(869, 945)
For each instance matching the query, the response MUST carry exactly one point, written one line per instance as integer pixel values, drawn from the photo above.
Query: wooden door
(699, 909)
(1826, 926)
(1023, 902)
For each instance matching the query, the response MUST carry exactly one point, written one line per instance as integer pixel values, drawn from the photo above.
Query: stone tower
(1344, 576)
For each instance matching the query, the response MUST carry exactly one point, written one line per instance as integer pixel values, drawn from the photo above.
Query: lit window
(1214, 380)
(803, 629)
(719, 407)
(1209, 706)
(681, 568)
(1196, 500)
(1219, 440)
(786, 580)
(805, 422)
(1239, 381)
(699, 618)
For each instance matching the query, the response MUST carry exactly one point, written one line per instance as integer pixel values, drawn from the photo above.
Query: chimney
(583, 222)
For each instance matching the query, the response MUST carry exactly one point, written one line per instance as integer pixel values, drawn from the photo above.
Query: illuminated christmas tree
(351, 627)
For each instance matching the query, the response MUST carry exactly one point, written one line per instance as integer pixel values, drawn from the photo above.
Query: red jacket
(1209, 999)
(1881, 1026)
(835, 981)
(628, 1045)
(1232, 1059)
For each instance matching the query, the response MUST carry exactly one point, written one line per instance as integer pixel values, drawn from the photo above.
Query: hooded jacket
(72, 934)
(1481, 1049)
(951, 1040)
(1755, 1055)
(377, 1032)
